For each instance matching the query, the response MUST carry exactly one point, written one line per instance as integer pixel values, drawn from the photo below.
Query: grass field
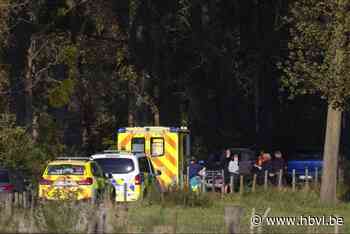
(210, 219)
(178, 213)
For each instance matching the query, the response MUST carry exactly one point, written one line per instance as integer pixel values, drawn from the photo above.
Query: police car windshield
(115, 165)
(4, 177)
(65, 169)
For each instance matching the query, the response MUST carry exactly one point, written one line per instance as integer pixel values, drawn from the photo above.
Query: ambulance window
(157, 147)
(138, 145)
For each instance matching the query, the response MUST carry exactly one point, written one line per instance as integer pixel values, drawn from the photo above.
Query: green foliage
(126, 70)
(69, 56)
(60, 95)
(17, 149)
(50, 136)
(133, 7)
(319, 57)
(20, 152)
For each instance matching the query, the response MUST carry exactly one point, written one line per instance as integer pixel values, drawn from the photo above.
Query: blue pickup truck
(302, 159)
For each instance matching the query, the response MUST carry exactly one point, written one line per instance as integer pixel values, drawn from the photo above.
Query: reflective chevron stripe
(168, 163)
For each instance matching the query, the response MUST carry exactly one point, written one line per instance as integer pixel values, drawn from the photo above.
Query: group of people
(230, 164)
(272, 165)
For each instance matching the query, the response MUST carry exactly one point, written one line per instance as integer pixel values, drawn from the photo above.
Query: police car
(130, 174)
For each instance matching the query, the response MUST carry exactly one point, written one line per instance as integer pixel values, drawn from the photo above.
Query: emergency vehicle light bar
(178, 129)
(174, 129)
(121, 130)
(153, 128)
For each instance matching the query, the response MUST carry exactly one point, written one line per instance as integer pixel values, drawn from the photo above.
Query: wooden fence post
(8, 203)
(316, 176)
(293, 180)
(254, 183)
(265, 179)
(16, 199)
(32, 199)
(223, 183)
(241, 185)
(204, 189)
(232, 218)
(20, 199)
(280, 174)
(25, 200)
(188, 178)
(306, 178)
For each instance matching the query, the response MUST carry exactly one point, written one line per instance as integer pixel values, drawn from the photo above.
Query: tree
(4, 16)
(318, 63)
(20, 152)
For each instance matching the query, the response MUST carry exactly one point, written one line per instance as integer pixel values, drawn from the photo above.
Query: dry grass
(177, 213)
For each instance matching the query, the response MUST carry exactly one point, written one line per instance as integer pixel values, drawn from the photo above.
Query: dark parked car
(11, 181)
(302, 159)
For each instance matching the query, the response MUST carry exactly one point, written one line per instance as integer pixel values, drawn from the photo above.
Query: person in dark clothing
(278, 164)
(194, 168)
(225, 160)
(266, 165)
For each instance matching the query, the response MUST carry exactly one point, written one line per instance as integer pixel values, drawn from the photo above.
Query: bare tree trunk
(154, 106)
(35, 128)
(330, 157)
(131, 105)
(28, 87)
(130, 119)
(156, 117)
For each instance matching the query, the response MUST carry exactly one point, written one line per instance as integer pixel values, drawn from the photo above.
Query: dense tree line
(88, 67)
(73, 71)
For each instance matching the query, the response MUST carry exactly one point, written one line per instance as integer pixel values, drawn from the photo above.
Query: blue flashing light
(121, 130)
(174, 129)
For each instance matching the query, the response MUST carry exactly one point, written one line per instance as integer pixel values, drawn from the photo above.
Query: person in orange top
(261, 159)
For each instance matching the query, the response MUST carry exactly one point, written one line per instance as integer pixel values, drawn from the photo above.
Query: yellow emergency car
(166, 147)
(72, 179)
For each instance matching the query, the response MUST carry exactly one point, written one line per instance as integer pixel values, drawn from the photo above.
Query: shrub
(19, 151)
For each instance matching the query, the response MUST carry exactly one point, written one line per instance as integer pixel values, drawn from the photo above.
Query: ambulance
(166, 147)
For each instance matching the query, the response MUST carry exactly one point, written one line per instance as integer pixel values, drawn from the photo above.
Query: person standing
(278, 164)
(233, 168)
(224, 164)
